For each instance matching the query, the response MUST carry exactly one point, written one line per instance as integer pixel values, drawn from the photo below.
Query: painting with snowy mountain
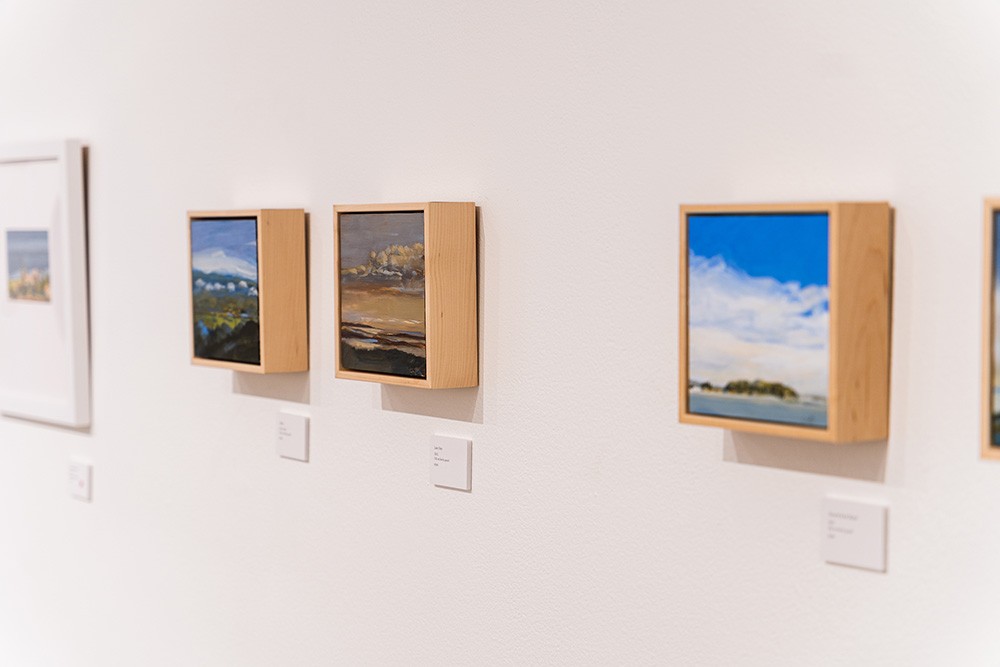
(382, 321)
(225, 289)
(759, 316)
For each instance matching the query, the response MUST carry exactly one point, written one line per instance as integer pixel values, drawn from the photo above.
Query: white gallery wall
(598, 530)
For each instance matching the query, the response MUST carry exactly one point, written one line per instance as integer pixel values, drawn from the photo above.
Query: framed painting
(44, 327)
(785, 319)
(248, 290)
(407, 294)
(990, 447)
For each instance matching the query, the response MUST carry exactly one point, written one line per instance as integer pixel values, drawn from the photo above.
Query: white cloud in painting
(746, 327)
(217, 261)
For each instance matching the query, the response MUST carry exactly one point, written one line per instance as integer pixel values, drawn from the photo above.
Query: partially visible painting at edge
(759, 316)
(225, 289)
(28, 266)
(382, 293)
(994, 315)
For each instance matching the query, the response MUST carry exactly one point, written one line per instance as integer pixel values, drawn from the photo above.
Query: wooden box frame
(54, 350)
(860, 261)
(282, 291)
(450, 294)
(987, 451)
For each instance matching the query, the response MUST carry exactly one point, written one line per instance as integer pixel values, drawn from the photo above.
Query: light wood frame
(987, 450)
(860, 280)
(450, 294)
(50, 347)
(281, 287)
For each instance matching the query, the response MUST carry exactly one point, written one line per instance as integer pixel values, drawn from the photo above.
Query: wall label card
(293, 436)
(451, 462)
(854, 533)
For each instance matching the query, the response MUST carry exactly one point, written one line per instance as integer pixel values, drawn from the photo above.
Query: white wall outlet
(80, 480)
(451, 462)
(293, 436)
(854, 533)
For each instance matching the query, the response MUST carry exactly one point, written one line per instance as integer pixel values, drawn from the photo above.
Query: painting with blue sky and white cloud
(225, 289)
(759, 316)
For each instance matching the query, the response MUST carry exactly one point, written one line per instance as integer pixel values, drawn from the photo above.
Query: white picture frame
(44, 324)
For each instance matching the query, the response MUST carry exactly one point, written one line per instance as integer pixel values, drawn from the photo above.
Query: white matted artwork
(44, 330)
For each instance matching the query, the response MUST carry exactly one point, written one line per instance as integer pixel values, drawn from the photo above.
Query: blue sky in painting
(225, 246)
(786, 247)
(27, 251)
(759, 299)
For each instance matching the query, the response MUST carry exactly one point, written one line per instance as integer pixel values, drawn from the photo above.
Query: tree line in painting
(750, 388)
(227, 321)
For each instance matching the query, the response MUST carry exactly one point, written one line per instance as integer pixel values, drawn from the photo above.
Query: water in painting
(225, 289)
(759, 317)
(382, 321)
(995, 374)
(28, 266)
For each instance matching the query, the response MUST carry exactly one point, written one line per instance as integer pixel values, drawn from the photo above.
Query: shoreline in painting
(810, 412)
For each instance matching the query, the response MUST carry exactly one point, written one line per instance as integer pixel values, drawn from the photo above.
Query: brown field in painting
(385, 307)
(382, 329)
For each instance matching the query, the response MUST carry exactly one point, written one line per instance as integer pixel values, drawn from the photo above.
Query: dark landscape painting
(225, 289)
(382, 322)
(28, 266)
(759, 316)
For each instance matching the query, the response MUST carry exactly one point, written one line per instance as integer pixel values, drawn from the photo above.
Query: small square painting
(28, 266)
(225, 289)
(759, 316)
(382, 298)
